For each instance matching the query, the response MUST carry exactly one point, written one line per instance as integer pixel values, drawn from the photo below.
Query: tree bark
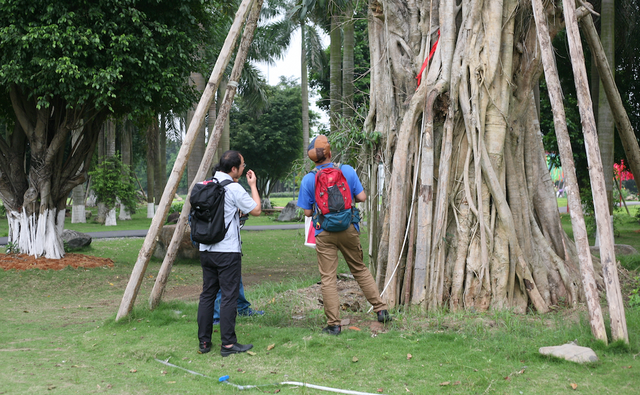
(335, 71)
(605, 120)
(304, 89)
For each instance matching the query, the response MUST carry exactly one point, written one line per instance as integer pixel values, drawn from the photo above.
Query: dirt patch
(25, 262)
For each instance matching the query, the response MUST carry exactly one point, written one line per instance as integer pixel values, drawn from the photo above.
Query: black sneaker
(332, 329)
(205, 347)
(235, 349)
(383, 316)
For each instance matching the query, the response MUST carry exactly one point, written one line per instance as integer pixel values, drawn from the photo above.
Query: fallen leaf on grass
(163, 372)
(380, 390)
(574, 386)
(240, 370)
(251, 353)
(456, 383)
(354, 359)
(409, 356)
(133, 371)
(445, 383)
(51, 387)
(355, 328)
(271, 346)
(508, 378)
(171, 382)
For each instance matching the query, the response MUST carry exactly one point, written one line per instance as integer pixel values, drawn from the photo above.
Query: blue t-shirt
(307, 194)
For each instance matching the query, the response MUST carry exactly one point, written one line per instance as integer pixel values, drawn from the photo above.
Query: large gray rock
(570, 352)
(620, 249)
(289, 213)
(74, 239)
(186, 250)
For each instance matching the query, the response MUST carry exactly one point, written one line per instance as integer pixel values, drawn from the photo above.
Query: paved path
(143, 232)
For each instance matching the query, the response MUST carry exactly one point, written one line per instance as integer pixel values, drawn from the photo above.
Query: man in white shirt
(221, 262)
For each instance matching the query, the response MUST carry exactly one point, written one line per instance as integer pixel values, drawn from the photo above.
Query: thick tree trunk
(488, 234)
(125, 152)
(605, 120)
(35, 185)
(78, 214)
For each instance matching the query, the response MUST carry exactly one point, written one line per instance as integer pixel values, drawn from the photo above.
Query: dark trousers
(220, 271)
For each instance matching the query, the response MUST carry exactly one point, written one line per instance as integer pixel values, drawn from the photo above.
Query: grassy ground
(59, 336)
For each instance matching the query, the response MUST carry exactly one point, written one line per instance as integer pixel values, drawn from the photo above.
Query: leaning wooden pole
(596, 174)
(212, 146)
(623, 124)
(587, 273)
(130, 293)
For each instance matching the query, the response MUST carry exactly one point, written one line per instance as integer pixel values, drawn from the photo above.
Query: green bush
(112, 180)
(176, 207)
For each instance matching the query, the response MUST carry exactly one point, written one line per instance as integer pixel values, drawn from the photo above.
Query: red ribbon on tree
(426, 61)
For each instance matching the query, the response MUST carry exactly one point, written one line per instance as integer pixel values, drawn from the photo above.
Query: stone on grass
(570, 352)
(75, 239)
(173, 218)
(289, 213)
(186, 249)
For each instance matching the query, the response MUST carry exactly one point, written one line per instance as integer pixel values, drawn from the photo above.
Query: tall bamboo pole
(130, 293)
(596, 174)
(566, 156)
(232, 86)
(620, 116)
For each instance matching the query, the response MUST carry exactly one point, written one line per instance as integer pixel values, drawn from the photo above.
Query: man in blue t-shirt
(347, 241)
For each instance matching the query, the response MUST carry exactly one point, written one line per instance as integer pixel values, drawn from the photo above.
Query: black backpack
(206, 217)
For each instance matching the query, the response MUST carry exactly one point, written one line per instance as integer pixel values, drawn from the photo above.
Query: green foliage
(115, 53)
(3, 209)
(112, 181)
(634, 297)
(270, 141)
(176, 207)
(12, 248)
(351, 144)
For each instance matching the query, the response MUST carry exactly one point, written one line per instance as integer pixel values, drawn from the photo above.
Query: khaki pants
(348, 242)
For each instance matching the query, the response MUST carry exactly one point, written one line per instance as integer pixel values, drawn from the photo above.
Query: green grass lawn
(59, 336)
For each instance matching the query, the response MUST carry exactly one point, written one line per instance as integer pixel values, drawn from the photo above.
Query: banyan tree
(468, 218)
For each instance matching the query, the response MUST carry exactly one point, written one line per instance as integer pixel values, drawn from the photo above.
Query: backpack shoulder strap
(225, 182)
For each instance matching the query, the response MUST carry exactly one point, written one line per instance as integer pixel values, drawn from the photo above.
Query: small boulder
(571, 352)
(74, 239)
(289, 213)
(186, 249)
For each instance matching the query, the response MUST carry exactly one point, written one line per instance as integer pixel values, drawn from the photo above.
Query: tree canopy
(270, 142)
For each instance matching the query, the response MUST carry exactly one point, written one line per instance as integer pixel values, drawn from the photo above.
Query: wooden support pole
(623, 124)
(212, 146)
(131, 292)
(596, 174)
(587, 273)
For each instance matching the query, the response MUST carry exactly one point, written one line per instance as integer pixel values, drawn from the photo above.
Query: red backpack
(333, 200)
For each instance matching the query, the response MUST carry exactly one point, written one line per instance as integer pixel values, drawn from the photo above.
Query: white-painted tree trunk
(124, 213)
(150, 210)
(110, 219)
(37, 234)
